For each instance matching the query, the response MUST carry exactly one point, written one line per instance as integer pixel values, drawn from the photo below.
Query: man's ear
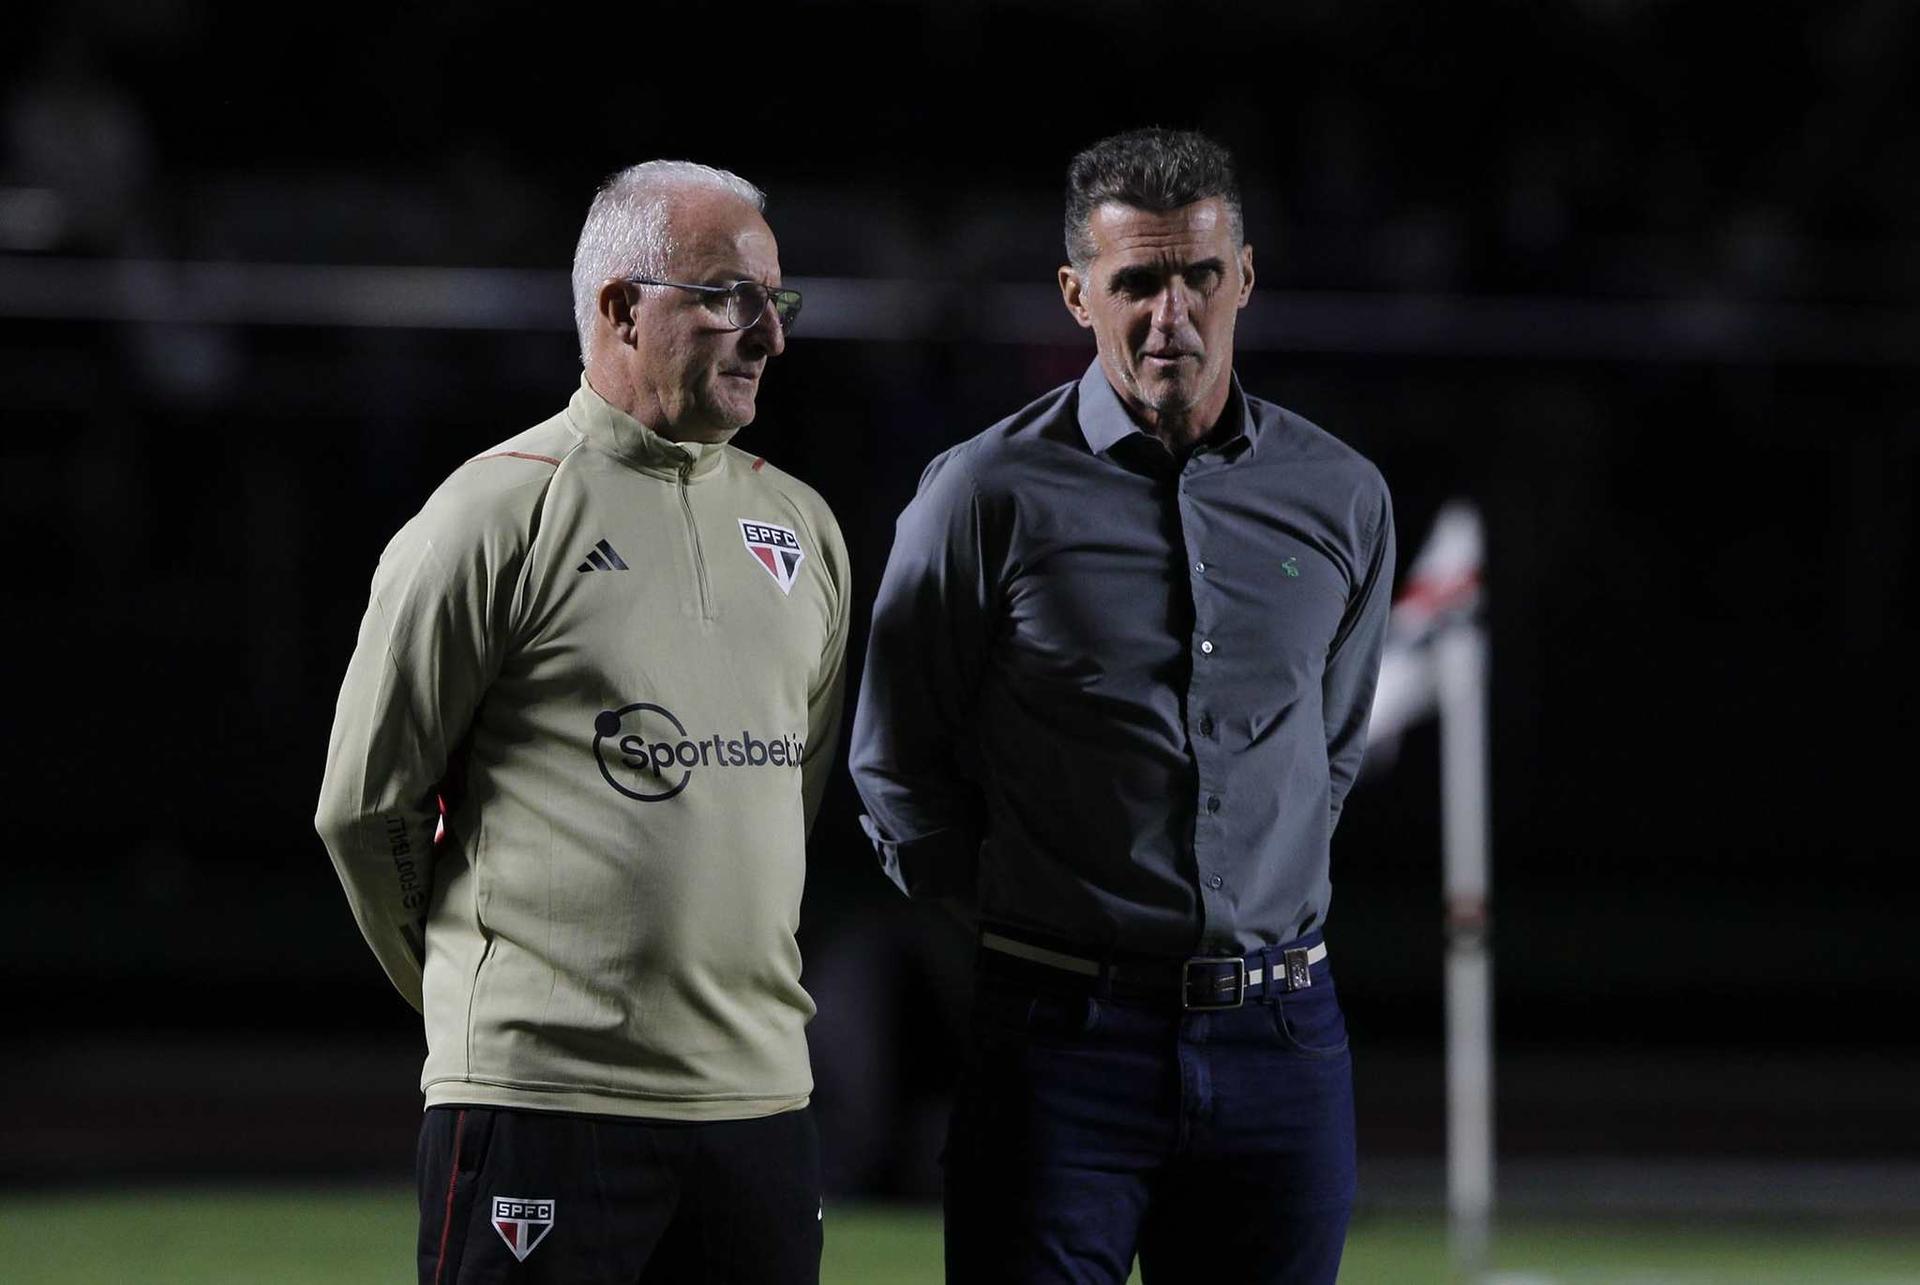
(1246, 274)
(1070, 288)
(618, 301)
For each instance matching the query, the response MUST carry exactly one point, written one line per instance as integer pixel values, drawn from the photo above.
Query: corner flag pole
(1435, 661)
(1460, 665)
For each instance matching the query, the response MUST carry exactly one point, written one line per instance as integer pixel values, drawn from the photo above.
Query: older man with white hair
(580, 742)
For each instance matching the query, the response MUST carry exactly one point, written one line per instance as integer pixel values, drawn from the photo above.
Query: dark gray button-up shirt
(1119, 699)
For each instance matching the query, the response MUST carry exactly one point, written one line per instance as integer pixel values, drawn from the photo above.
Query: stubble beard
(1171, 401)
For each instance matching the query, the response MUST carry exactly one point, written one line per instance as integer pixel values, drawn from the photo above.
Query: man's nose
(1170, 309)
(766, 332)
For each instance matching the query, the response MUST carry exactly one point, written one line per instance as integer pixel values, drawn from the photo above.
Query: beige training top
(616, 662)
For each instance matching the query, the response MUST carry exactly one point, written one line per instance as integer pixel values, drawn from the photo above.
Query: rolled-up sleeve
(911, 752)
(1353, 658)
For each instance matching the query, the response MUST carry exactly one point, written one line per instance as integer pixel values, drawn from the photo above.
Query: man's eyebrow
(1133, 272)
(734, 276)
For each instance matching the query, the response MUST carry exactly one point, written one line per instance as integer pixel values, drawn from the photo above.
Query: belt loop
(1272, 985)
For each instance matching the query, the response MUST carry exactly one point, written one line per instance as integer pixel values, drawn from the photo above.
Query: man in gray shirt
(1116, 690)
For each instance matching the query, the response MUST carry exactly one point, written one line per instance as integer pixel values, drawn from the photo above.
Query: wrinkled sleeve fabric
(1353, 658)
(827, 698)
(912, 752)
(429, 645)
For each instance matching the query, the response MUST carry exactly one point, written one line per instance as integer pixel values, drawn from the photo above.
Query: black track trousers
(531, 1196)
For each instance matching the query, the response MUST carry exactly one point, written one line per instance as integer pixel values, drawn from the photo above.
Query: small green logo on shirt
(1289, 568)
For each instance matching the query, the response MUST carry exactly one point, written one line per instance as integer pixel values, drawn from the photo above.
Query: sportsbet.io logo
(646, 753)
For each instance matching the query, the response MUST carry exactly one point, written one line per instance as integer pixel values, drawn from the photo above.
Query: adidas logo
(602, 558)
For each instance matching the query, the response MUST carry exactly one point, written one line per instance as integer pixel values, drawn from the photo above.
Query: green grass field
(304, 1237)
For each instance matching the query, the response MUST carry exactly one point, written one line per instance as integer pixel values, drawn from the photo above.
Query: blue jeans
(1216, 1145)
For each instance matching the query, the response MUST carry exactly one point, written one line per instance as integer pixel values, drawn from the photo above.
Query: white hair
(627, 231)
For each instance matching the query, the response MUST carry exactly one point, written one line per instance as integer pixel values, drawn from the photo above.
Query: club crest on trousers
(522, 1223)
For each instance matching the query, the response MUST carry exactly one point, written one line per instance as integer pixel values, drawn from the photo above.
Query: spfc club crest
(522, 1223)
(777, 549)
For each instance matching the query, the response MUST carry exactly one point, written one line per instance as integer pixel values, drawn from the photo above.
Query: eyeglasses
(746, 300)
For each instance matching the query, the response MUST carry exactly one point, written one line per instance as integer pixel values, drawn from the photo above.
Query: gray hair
(627, 231)
(1147, 169)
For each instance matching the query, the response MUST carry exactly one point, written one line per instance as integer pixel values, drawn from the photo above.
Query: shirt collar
(1104, 420)
(622, 436)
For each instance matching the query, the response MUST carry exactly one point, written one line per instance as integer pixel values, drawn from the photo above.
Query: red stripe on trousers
(453, 1174)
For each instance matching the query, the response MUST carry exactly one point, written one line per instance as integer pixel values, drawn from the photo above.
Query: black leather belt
(1202, 983)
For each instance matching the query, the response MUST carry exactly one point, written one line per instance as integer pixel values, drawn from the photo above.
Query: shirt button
(1200, 567)
(1206, 725)
(1206, 646)
(1213, 803)
(1214, 881)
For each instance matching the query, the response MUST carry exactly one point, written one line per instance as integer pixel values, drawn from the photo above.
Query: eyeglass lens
(747, 302)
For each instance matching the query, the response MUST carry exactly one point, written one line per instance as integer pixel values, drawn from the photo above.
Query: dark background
(1640, 279)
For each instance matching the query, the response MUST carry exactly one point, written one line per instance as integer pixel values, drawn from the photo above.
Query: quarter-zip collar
(620, 435)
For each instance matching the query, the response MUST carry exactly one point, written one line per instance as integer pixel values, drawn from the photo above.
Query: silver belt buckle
(1298, 976)
(1239, 983)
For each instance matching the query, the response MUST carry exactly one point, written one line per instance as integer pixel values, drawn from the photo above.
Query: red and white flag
(1441, 588)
